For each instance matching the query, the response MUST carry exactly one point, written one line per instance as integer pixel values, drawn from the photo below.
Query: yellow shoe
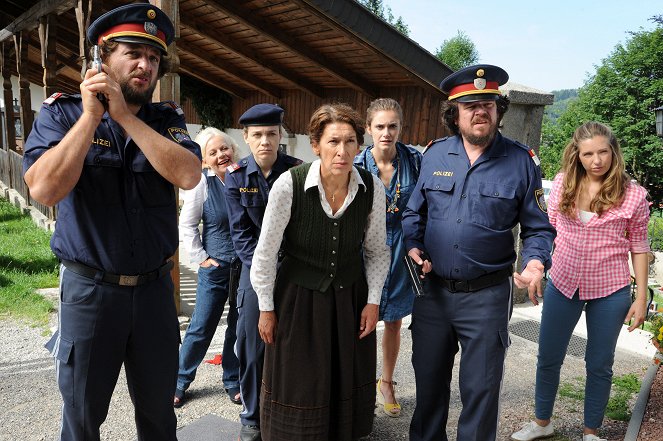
(391, 409)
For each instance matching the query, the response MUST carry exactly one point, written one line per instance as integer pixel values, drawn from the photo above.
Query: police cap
(475, 83)
(262, 115)
(140, 23)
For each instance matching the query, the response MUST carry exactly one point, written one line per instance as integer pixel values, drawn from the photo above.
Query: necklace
(392, 207)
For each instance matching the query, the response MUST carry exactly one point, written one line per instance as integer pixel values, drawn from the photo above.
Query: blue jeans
(211, 297)
(605, 317)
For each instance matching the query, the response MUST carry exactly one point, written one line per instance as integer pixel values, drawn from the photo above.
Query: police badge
(540, 199)
(151, 28)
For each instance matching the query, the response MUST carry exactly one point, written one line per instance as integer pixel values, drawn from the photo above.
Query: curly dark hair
(450, 112)
(107, 47)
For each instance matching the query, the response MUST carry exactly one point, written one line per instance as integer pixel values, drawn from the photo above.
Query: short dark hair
(450, 112)
(108, 46)
(332, 113)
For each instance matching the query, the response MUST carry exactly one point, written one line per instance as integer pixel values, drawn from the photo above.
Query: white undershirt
(585, 216)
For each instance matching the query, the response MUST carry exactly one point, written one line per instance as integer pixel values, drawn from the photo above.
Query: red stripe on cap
(463, 89)
(133, 29)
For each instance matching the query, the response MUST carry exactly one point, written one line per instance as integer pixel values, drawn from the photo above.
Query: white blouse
(277, 217)
(190, 216)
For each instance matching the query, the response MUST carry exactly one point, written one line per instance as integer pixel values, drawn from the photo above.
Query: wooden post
(83, 12)
(169, 89)
(48, 39)
(25, 101)
(8, 95)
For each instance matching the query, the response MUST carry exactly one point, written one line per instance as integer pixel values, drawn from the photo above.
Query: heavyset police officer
(110, 168)
(247, 188)
(474, 187)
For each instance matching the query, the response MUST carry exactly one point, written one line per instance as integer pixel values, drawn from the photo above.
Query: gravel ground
(31, 402)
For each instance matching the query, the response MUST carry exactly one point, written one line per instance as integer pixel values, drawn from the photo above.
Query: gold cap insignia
(151, 14)
(480, 73)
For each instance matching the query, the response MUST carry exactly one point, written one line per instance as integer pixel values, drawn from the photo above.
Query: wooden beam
(246, 53)
(47, 39)
(30, 19)
(303, 4)
(238, 74)
(83, 13)
(207, 80)
(277, 35)
(27, 117)
(5, 66)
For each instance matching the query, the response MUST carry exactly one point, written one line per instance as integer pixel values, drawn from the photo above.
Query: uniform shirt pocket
(495, 206)
(250, 199)
(100, 181)
(439, 195)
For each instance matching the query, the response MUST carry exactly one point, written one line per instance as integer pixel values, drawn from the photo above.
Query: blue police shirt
(121, 216)
(462, 215)
(247, 191)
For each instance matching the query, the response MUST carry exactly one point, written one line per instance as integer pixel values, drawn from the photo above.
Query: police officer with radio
(110, 167)
(474, 187)
(247, 188)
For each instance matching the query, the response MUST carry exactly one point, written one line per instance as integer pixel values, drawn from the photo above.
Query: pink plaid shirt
(593, 257)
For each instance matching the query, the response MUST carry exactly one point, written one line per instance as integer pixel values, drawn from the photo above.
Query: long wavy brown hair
(615, 180)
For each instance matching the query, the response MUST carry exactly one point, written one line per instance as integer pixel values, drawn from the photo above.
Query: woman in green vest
(319, 310)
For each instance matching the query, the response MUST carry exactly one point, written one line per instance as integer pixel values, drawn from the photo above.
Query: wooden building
(296, 53)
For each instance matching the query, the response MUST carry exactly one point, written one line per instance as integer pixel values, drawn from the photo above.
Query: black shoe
(249, 433)
(233, 394)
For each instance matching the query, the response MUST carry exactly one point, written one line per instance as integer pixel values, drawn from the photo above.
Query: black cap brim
(477, 97)
(138, 40)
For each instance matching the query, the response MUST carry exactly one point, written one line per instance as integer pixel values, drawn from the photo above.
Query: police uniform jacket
(247, 191)
(462, 215)
(121, 216)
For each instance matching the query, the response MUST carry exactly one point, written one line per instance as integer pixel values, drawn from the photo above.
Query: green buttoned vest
(319, 251)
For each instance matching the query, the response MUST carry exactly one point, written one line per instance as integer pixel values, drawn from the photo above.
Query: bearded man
(473, 188)
(109, 159)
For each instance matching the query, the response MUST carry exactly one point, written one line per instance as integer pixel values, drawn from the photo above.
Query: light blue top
(397, 295)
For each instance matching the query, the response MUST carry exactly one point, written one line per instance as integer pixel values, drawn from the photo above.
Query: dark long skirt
(319, 377)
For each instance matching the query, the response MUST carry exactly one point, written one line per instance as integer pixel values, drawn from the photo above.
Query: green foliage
(623, 388)
(26, 264)
(458, 52)
(378, 8)
(214, 106)
(562, 100)
(626, 87)
(655, 231)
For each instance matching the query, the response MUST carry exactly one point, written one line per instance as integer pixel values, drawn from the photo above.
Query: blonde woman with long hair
(601, 215)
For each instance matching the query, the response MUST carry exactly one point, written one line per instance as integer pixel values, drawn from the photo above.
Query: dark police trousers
(479, 321)
(249, 348)
(102, 326)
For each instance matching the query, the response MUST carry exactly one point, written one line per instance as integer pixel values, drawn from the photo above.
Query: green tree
(623, 92)
(378, 8)
(458, 52)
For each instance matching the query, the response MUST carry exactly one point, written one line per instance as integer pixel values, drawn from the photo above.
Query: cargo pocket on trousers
(62, 351)
(505, 338)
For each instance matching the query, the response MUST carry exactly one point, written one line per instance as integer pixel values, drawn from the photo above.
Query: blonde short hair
(204, 136)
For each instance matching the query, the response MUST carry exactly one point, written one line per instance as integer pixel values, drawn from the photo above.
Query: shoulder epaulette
(51, 99)
(236, 166)
(530, 151)
(173, 106)
(432, 142)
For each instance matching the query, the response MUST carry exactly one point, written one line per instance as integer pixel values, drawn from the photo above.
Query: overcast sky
(545, 44)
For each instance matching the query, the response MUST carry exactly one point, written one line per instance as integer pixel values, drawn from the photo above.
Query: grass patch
(623, 388)
(26, 264)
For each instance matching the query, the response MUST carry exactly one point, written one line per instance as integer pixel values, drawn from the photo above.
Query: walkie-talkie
(96, 62)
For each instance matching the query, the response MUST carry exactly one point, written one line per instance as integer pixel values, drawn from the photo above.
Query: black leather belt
(117, 279)
(481, 282)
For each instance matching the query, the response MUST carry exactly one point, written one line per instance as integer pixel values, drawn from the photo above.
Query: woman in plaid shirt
(600, 215)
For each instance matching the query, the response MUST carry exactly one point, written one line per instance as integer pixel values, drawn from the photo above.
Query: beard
(480, 140)
(133, 96)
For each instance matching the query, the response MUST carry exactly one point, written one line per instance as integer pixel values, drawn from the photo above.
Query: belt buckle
(128, 280)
